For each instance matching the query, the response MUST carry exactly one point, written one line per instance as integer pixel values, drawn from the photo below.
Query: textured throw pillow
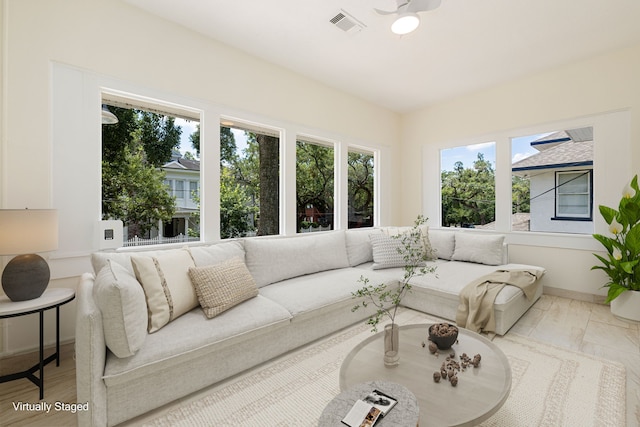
(479, 248)
(166, 283)
(222, 286)
(124, 309)
(386, 251)
(424, 232)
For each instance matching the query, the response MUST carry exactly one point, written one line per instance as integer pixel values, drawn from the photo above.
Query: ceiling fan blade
(401, 4)
(385, 12)
(423, 5)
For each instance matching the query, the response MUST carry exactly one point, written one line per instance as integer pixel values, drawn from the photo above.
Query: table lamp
(24, 232)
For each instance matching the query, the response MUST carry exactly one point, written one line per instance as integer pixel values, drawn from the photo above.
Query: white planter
(627, 306)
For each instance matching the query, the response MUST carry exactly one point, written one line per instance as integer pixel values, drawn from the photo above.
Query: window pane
(573, 204)
(314, 186)
(468, 186)
(249, 182)
(145, 161)
(361, 189)
(569, 183)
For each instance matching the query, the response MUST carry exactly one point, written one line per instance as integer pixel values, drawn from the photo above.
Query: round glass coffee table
(480, 391)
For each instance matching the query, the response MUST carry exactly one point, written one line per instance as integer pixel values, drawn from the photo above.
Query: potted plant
(386, 299)
(621, 264)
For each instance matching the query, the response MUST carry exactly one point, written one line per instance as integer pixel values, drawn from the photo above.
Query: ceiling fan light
(405, 23)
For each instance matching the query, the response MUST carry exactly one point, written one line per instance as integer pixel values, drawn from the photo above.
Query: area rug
(550, 387)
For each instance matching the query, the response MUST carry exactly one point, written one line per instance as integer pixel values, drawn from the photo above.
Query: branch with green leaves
(387, 299)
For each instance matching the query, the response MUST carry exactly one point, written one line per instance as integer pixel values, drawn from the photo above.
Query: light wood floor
(577, 325)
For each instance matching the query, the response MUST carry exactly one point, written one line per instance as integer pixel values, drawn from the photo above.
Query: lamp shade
(27, 231)
(406, 23)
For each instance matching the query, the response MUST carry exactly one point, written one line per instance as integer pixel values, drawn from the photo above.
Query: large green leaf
(607, 242)
(629, 211)
(614, 291)
(608, 213)
(628, 266)
(632, 240)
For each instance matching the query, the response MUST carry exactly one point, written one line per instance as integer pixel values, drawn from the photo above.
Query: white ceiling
(461, 47)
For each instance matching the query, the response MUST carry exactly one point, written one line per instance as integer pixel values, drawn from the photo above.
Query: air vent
(346, 22)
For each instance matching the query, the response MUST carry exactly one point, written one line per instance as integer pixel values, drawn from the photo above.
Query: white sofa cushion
(123, 307)
(192, 335)
(167, 286)
(359, 249)
(222, 286)
(479, 248)
(307, 294)
(214, 254)
(271, 260)
(442, 242)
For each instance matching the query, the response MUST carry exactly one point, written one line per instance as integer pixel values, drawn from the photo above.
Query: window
(360, 188)
(573, 194)
(145, 165)
(468, 186)
(314, 185)
(249, 180)
(194, 193)
(551, 181)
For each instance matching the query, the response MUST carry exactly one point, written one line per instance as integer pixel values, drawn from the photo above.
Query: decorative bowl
(444, 335)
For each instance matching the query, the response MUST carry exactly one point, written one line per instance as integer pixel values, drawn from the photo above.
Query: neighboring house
(561, 182)
(183, 179)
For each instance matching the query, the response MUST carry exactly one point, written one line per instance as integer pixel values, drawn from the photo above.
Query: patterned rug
(550, 387)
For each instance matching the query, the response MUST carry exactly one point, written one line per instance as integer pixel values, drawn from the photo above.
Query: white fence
(159, 240)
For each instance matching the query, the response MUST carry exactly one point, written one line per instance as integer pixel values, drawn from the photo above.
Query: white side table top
(49, 299)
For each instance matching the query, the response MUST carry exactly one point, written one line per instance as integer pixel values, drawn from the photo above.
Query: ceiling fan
(407, 11)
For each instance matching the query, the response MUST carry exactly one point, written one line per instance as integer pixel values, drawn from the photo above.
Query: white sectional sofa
(274, 294)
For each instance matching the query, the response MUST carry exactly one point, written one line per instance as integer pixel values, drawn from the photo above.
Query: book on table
(365, 412)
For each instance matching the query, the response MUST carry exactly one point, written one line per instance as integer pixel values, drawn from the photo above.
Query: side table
(405, 413)
(51, 298)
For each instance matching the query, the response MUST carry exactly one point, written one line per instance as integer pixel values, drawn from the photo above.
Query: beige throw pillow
(167, 287)
(222, 286)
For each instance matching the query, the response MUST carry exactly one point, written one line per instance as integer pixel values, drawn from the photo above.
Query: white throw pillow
(124, 309)
(479, 248)
(359, 249)
(167, 286)
(215, 254)
(442, 242)
(222, 286)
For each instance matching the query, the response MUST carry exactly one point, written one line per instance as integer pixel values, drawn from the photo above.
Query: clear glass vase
(391, 345)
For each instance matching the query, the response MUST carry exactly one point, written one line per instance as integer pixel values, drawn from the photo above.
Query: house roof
(560, 150)
(182, 163)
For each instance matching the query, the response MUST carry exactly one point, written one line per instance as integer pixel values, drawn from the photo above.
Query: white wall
(57, 56)
(603, 91)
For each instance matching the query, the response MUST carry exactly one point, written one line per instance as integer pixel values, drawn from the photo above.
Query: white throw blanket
(475, 311)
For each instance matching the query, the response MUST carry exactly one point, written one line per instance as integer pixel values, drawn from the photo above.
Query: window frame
(589, 205)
